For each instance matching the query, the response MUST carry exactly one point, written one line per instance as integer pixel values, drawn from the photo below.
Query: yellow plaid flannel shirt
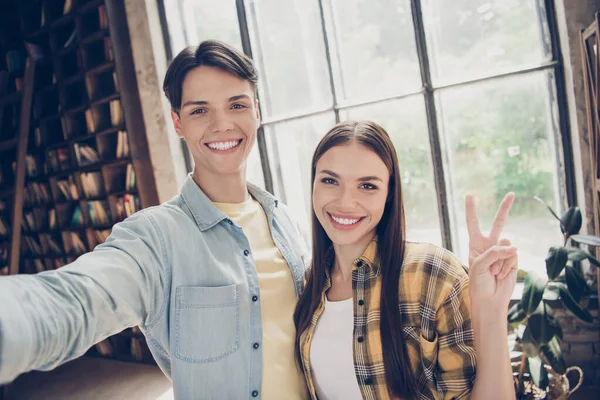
(436, 324)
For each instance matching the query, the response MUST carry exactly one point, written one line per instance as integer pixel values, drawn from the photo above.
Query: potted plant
(541, 371)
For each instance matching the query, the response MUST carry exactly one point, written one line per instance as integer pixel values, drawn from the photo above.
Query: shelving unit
(76, 161)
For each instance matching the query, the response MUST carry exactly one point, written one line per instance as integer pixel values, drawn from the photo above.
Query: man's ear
(257, 113)
(177, 123)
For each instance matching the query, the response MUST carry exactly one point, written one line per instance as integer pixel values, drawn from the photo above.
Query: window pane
(406, 123)
(474, 38)
(375, 46)
(288, 46)
(291, 146)
(500, 137)
(192, 21)
(254, 172)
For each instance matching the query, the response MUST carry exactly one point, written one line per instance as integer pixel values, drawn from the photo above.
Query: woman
(381, 317)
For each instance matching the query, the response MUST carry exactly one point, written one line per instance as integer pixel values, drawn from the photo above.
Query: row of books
(101, 117)
(38, 219)
(99, 212)
(92, 183)
(58, 159)
(127, 206)
(46, 244)
(36, 265)
(85, 155)
(36, 193)
(130, 178)
(68, 189)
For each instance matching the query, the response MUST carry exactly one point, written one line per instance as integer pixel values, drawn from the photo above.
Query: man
(211, 277)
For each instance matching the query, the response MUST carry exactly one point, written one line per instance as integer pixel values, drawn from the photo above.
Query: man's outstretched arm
(55, 316)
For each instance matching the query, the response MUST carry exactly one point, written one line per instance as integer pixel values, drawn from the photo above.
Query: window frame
(547, 13)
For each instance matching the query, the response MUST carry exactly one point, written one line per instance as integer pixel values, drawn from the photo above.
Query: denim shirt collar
(207, 215)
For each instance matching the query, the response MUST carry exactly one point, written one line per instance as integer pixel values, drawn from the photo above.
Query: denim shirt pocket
(207, 323)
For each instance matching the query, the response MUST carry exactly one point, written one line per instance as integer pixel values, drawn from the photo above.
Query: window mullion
(432, 124)
(329, 64)
(260, 135)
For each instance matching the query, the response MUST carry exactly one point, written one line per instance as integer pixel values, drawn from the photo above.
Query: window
(469, 90)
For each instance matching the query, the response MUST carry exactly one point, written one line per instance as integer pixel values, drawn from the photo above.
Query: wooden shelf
(71, 70)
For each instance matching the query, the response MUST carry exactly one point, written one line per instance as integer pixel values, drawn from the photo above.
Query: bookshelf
(83, 161)
(590, 40)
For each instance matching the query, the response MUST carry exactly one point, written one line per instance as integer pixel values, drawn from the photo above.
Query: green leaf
(572, 305)
(533, 290)
(547, 206)
(553, 354)
(516, 314)
(542, 325)
(587, 239)
(556, 260)
(551, 293)
(576, 283)
(528, 343)
(576, 254)
(538, 372)
(570, 222)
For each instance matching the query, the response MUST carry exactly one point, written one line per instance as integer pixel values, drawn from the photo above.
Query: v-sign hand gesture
(493, 262)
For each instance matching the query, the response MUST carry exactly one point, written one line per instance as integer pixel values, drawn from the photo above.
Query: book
(116, 116)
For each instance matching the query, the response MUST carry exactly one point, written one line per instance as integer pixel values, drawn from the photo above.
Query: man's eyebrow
(203, 102)
(240, 97)
(194, 103)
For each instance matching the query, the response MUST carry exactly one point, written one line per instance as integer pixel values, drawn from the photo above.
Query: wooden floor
(93, 378)
(98, 379)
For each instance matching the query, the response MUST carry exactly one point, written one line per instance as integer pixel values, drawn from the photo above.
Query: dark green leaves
(572, 305)
(516, 314)
(576, 283)
(570, 223)
(532, 293)
(553, 354)
(556, 260)
(538, 372)
(587, 239)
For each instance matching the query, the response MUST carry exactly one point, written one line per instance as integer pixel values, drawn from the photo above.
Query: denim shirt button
(254, 298)
(255, 393)
(256, 346)
(246, 252)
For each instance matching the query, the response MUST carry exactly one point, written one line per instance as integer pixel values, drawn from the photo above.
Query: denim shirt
(182, 271)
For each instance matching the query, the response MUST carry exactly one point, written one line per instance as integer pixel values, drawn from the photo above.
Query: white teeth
(224, 145)
(345, 221)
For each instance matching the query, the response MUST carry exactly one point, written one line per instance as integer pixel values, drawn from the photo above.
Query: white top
(331, 354)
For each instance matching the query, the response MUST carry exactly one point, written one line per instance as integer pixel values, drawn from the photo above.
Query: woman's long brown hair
(390, 249)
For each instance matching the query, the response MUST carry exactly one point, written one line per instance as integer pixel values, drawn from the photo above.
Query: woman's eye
(328, 181)
(368, 186)
(238, 106)
(199, 111)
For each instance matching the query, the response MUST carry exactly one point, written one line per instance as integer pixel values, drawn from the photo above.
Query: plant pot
(558, 389)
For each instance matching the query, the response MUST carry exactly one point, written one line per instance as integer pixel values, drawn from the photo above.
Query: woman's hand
(493, 262)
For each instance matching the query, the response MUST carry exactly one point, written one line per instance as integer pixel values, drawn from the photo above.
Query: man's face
(218, 120)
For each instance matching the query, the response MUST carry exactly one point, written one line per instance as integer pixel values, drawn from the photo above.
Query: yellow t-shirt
(282, 379)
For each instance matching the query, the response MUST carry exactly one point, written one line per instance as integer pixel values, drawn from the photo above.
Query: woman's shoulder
(433, 264)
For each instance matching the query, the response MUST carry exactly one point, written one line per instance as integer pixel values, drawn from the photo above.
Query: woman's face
(350, 193)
